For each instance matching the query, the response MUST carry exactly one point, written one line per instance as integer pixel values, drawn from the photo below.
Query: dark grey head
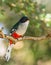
(23, 19)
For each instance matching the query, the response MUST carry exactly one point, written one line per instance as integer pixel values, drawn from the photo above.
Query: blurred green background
(39, 14)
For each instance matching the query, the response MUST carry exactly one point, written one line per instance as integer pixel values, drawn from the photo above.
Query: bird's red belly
(14, 35)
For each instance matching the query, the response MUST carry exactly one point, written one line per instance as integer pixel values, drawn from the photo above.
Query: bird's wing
(15, 27)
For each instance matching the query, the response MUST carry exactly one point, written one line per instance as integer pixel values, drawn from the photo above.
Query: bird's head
(24, 19)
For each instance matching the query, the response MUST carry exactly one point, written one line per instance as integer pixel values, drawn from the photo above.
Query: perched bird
(17, 31)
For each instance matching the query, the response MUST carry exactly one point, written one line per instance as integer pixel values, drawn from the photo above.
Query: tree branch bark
(2, 35)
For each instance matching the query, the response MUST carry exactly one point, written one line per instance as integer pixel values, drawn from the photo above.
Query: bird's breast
(22, 28)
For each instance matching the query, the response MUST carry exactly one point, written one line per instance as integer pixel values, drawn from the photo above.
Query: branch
(2, 35)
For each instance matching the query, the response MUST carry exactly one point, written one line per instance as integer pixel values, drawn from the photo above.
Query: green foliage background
(10, 12)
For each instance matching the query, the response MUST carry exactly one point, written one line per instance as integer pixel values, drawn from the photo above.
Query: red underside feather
(14, 35)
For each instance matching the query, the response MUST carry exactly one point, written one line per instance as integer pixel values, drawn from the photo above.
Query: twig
(2, 35)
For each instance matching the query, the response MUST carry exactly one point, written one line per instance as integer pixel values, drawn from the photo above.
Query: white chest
(22, 28)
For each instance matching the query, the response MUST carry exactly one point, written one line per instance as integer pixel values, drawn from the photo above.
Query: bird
(19, 29)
